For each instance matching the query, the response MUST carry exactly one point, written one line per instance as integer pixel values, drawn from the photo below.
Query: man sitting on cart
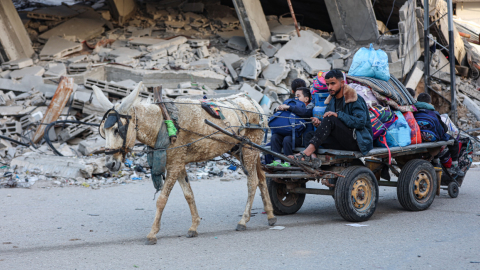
(346, 123)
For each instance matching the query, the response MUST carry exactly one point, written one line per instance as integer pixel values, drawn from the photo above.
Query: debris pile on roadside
(192, 50)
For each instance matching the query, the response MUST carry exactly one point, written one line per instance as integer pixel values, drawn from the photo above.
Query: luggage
(382, 118)
(415, 134)
(319, 85)
(398, 134)
(370, 63)
(430, 127)
(366, 93)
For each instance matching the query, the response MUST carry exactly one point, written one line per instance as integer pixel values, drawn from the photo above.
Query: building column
(253, 21)
(14, 40)
(353, 19)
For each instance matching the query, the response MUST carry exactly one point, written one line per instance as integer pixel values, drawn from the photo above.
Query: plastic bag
(370, 63)
(452, 129)
(398, 134)
(415, 134)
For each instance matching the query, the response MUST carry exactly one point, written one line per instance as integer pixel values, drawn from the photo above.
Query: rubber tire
(278, 207)
(453, 189)
(407, 176)
(343, 189)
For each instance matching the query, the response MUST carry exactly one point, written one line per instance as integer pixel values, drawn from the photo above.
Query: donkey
(144, 124)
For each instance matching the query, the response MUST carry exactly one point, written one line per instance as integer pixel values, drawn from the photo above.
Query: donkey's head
(118, 127)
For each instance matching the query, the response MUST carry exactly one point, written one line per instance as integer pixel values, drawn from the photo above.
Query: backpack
(382, 118)
(415, 134)
(430, 126)
(287, 123)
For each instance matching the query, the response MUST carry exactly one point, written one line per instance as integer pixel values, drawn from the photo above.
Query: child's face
(301, 97)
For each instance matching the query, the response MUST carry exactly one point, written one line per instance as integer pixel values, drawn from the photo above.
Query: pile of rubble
(191, 49)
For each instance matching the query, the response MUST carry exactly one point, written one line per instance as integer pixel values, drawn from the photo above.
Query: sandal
(307, 160)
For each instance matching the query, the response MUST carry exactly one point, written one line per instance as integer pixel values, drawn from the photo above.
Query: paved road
(80, 228)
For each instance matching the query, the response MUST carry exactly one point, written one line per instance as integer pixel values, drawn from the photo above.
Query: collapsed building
(55, 54)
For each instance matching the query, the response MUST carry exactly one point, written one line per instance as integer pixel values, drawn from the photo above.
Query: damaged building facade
(52, 56)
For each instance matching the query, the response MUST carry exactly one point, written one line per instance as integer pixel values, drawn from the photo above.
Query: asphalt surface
(81, 228)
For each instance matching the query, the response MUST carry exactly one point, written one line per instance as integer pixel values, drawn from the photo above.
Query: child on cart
(302, 108)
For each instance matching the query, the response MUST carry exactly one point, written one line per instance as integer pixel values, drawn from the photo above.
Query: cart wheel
(417, 185)
(453, 189)
(283, 202)
(356, 194)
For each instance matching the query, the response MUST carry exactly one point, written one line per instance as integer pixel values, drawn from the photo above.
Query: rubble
(191, 49)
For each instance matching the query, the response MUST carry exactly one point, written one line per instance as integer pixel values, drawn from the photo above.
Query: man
(279, 141)
(453, 149)
(346, 123)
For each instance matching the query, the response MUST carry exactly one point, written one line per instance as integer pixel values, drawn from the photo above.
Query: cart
(352, 179)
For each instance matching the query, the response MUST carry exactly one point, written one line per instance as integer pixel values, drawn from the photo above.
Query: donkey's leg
(172, 177)
(267, 203)
(188, 193)
(250, 163)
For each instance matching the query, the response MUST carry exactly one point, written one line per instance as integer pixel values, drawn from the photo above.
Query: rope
(186, 103)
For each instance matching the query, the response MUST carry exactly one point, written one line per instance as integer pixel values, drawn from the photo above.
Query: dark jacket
(301, 111)
(354, 115)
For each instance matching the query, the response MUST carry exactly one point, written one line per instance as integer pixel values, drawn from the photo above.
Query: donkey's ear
(102, 99)
(129, 100)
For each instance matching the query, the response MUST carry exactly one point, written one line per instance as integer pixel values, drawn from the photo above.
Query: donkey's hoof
(272, 221)
(151, 241)
(191, 234)
(241, 227)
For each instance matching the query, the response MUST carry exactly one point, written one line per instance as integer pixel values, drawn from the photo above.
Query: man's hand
(327, 114)
(283, 107)
(315, 121)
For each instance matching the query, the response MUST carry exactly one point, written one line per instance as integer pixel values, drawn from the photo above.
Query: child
(412, 92)
(453, 149)
(286, 142)
(297, 83)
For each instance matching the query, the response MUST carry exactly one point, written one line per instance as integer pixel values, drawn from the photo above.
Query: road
(81, 228)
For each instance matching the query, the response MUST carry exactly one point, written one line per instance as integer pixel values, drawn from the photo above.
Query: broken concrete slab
(194, 43)
(472, 107)
(34, 71)
(157, 54)
(416, 75)
(56, 70)
(313, 65)
(353, 19)
(57, 47)
(90, 29)
(56, 13)
(233, 59)
(54, 166)
(124, 52)
(143, 41)
(15, 42)
(167, 43)
(238, 43)
(252, 92)
(202, 52)
(339, 64)
(142, 32)
(18, 64)
(167, 78)
(250, 68)
(201, 64)
(305, 46)
(276, 72)
(269, 49)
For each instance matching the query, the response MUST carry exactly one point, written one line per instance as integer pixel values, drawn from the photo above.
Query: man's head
(335, 81)
(303, 94)
(298, 83)
(424, 97)
(412, 92)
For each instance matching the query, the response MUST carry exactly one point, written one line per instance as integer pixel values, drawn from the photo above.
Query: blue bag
(431, 128)
(288, 124)
(398, 134)
(370, 63)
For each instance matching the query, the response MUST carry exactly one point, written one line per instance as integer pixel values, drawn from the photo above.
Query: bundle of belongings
(398, 120)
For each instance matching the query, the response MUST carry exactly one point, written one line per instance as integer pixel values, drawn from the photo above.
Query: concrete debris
(57, 47)
(192, 50)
